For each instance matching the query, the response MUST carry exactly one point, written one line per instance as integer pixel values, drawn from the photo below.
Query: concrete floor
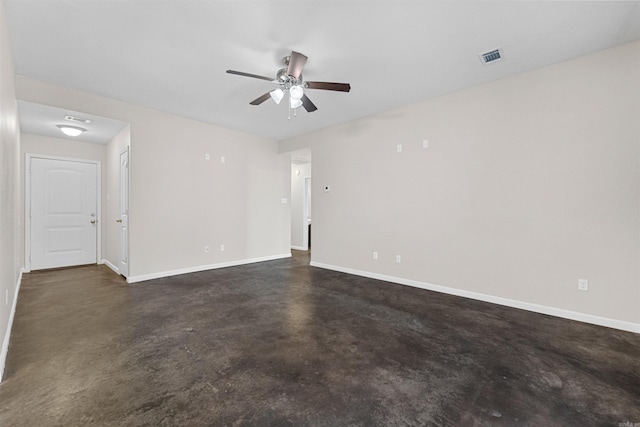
(281, 343)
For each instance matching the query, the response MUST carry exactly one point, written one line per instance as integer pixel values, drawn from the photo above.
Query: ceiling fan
(289, 79)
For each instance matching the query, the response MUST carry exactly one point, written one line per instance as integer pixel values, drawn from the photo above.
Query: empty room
(319, 213)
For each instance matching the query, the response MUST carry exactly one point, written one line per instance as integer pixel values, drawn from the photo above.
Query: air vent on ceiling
(491, 56)
(76, 119)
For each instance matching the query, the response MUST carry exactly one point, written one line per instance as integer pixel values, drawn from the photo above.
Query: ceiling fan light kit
(294, 103)
(277, 95)
(296, 92)
(289, 79)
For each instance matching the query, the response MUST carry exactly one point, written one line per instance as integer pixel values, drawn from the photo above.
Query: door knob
(93, 221)
(118, 220)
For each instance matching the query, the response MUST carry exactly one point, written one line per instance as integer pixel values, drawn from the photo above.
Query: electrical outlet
(425, 143)
(221, 248)
(222, 159)
(583, 284)
(398, 259)
(375, 255)
(399, 148)
(206, 249)
(207, 156)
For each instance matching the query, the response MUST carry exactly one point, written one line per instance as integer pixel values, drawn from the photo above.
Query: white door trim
(27, 203)
(306, 213)
(125, 244)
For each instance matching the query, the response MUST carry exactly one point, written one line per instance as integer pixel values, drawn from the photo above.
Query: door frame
(27, 203)
(126, 243)
(306, 212)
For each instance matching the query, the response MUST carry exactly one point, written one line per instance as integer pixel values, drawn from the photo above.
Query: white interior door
(63, 213)
(124, 214)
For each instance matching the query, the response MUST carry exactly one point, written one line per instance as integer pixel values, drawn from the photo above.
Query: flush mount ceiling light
(71, 130)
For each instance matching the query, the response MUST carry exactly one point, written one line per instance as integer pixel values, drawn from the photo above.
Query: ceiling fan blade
(259, 100)
(255, 76)
(340, 87)
(296, 64)
(307, 104)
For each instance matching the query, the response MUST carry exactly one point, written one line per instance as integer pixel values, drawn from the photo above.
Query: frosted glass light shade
(71, 130)
(295, 103)
(296, 92)
(277, 95)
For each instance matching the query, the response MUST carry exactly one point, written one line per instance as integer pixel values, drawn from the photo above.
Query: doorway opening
(123, 220)
(307, 212)
(301, 200)
(72, 187)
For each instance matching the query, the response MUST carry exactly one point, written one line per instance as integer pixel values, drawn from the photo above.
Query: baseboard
(161, 274)
(110, 265)
(299, 248)
(537, 308)
(7, 335)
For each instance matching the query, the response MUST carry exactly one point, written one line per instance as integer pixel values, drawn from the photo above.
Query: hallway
(282, 343)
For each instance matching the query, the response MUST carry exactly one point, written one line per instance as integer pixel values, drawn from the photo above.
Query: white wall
(527, 185)
(180, 202)
(10, 246)
(61, 147)
(298, 218)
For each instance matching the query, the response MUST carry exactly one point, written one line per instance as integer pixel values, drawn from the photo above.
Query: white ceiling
(172, 55)
(44, 120)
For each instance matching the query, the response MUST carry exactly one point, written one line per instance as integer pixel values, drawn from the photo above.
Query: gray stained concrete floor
(281, 343)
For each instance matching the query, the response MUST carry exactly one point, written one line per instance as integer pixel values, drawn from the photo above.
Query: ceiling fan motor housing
(287, 81)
